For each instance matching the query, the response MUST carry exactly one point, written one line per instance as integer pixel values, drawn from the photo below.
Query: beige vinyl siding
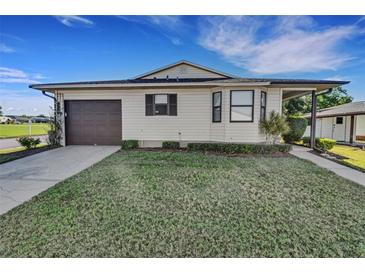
(347, 120)
(249, 131)
(360, 125)
(184, 71)
(193, 122)
(190, 124)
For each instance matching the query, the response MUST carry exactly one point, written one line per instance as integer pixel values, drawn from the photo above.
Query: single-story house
(19, 119)
(345, 123)
(38, 119)
(182, 102)
(5, 120)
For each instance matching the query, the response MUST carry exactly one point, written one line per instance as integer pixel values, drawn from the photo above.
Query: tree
(274, 126)
(1, 112)
(297, 127)
(302, 105)
(295, 106)
(338, 96)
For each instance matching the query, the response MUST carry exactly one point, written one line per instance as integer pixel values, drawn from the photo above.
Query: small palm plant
(274, 126)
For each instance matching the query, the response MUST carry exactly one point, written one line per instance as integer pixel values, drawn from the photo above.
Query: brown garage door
(93, 122)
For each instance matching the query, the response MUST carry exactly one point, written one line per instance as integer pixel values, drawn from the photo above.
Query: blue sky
(41, 49)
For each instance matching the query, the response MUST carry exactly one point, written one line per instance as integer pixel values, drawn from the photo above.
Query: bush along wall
(323, 144)
(129, 144)
(232, 148)
(297, 127)
(170, 145)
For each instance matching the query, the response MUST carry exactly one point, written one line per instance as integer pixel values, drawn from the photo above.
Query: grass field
(356, 156)
(170, 204)
(12, 130)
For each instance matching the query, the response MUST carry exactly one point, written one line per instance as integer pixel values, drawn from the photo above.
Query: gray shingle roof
(196, 80)
(354, 108)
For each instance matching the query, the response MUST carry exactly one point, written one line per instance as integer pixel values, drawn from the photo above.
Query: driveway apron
(22, 179)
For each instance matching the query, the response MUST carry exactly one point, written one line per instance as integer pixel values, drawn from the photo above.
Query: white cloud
(170, 26)
(6, 49)
(275, 45)
(176, 41)
(293, 23)
(163, 21)
(24, 101)
(12, 37)
(38, 76)
(18, 105)
(73, 20)
(10, 75)
(337, 78)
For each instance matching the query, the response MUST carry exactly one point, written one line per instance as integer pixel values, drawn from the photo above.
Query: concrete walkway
(22, 179)
(341, 170)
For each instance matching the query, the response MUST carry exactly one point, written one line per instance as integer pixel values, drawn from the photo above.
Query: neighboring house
(19, 119)
(5, 120)
(344, 123)
(183, 102)
(40, 119)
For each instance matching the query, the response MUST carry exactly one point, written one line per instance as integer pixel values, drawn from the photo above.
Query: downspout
(54, 105)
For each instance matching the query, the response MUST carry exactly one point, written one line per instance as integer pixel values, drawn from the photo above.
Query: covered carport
(314, 88)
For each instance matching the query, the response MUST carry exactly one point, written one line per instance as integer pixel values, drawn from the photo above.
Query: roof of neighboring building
(354, 108)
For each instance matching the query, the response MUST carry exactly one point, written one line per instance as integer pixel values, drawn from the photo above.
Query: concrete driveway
(22, 179)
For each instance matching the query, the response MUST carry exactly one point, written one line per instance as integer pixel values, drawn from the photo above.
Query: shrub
(306, 140)
(273, 126)
(129, 144)
(170, 145)
(232, 148)
(297, 127)
(54, 138)
(324, 144)
(29, 142)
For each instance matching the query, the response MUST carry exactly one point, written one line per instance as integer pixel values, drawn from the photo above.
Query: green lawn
(355, 156)
(177, 204)
(16, 149)
(13, 130)
(7, 154)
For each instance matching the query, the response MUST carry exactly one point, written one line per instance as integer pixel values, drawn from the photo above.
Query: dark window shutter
(149, 104)
(173, 104)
